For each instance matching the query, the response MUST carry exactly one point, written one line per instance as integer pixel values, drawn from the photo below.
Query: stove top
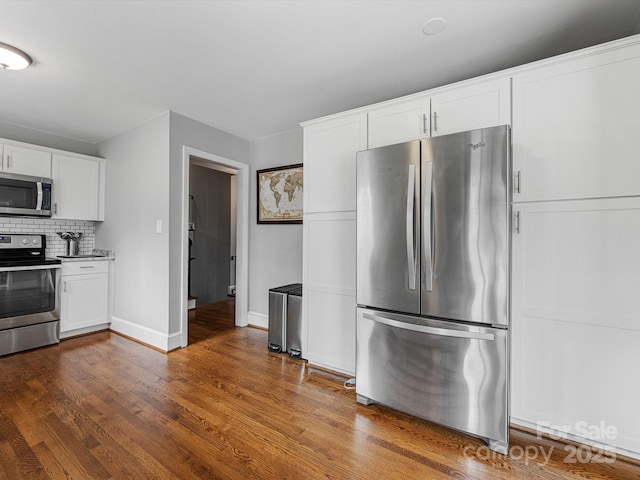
(24, 250)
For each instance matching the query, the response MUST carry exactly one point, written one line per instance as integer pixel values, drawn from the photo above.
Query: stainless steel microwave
(25, 195)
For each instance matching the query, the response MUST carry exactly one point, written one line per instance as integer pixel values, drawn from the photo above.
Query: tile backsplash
(55, 245)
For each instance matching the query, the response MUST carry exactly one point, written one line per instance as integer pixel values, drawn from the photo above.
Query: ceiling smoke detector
(434, 26)
(12, 58)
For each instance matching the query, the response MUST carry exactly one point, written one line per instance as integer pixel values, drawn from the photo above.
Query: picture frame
(279, 195)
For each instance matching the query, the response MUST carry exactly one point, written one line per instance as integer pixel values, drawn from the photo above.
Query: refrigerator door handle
(427, 227)
(411, 257)
(443, 332)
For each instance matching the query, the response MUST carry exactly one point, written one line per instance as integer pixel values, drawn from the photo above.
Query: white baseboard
(82, 331)
(331, 364)
(174, 340)
(146, 335)
(557, 434)
(258, 319)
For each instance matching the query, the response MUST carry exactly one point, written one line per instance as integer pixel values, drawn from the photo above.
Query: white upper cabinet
(478, 105)
(330, 163)
(26, 161)
(400, 122)
(576, 126)
(77, 188)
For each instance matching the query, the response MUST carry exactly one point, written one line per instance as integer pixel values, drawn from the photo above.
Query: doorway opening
(215, 226)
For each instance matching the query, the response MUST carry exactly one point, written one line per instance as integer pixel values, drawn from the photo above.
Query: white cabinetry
(26, 161)
(478, 105)
(330, 163)
(575, 316)
(77, 188)
(577, 125)
(329, 312)
(84, 296)
(399, 122)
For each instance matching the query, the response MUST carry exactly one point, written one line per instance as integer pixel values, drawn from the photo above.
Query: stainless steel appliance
(278, 313)
(25, 195)
(29, 296)
(433, 223)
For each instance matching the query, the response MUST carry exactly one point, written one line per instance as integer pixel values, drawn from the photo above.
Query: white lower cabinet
(84, 296)
(329, 280)
(576, 319)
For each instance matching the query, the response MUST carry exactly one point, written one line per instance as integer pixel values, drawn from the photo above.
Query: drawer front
(80, 268)
(451, 374)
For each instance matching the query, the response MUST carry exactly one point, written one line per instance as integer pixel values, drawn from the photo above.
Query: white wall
(275, 251)
(45, 139)
(137, 195)
(188, 132)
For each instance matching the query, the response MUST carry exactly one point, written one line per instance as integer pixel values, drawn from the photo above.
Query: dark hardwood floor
(102, 406)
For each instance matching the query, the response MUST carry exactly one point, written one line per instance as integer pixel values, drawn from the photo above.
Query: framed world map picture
(280, 194)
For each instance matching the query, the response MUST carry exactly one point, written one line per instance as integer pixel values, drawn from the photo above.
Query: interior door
(466, 217)
(388, 248)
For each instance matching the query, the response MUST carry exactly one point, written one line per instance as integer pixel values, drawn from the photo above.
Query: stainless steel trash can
(278, 300)
(294, 320)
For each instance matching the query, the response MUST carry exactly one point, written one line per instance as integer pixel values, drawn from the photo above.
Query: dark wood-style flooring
(102, 406)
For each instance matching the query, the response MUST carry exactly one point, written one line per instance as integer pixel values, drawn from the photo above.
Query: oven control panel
(20, 240)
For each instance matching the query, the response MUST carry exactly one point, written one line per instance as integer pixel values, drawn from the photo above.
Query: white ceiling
(256, 68)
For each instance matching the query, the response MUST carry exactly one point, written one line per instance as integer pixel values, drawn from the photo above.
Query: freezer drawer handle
(411, 257)
(444, 332)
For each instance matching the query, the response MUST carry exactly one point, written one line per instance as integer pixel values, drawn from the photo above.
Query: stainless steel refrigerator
(433, 251)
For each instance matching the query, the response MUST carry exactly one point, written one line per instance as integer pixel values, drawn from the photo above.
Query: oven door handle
(29, 267)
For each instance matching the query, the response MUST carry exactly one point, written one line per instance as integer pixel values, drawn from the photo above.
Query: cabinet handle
(517, 182)
(87, 266)
(435, 122)
(55, 208)
(424, 123)
(517, 222)
(8, 160)
(64, 287)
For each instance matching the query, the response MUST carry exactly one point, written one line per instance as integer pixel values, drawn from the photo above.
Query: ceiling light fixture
(12, 58)
(434, 26)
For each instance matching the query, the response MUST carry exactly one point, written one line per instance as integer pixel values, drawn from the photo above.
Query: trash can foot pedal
(275, 348)
(295, 353)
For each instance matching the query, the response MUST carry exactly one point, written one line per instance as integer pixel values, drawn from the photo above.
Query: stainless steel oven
(29, 294)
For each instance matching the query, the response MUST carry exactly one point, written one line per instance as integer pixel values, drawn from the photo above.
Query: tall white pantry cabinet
(575, 308)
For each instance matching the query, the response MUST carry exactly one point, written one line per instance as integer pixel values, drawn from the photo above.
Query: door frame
(242, 171)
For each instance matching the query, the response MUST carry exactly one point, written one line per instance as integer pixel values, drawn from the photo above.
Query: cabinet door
(575, 325)
(330, 163)
(26, 161)
(76, 188)
(329, 282)
(576, 126)
(399, 123)
(475, 106)
(83, 301)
